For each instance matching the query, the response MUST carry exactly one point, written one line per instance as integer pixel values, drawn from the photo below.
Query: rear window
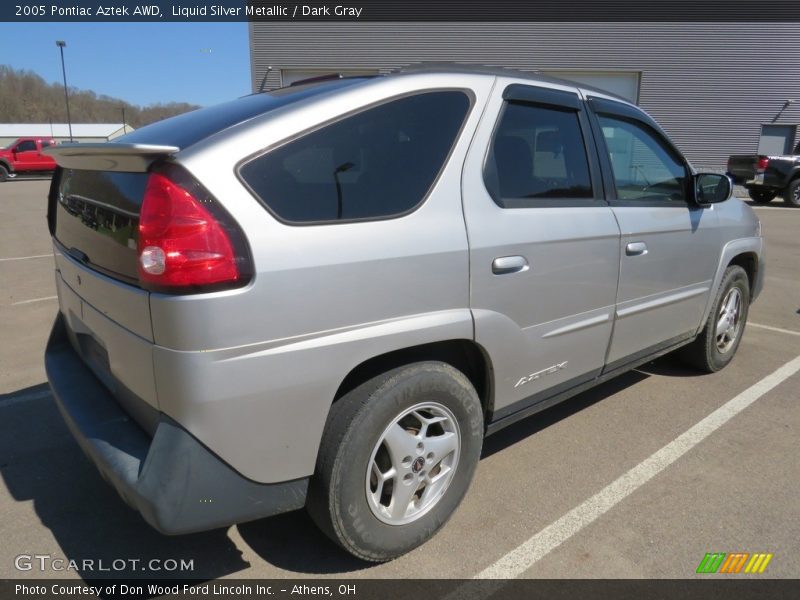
(378, 163)
(189, 128)
(97, 219)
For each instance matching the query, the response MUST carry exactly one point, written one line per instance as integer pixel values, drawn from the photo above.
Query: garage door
(621, 83)
(776, 139)
(289, 76)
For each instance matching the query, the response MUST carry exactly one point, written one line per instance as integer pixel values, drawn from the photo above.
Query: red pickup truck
(24, 158)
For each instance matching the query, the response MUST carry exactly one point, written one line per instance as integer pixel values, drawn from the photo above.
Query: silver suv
(327, 295)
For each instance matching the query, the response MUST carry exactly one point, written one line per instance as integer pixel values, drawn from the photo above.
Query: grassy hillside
(27, 98)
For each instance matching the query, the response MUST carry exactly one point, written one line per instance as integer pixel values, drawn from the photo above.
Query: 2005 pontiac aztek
(328, 294)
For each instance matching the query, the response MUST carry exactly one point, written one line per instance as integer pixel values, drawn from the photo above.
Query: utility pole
(61, 44)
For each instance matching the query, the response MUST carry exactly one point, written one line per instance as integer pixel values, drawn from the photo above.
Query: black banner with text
(408, 10)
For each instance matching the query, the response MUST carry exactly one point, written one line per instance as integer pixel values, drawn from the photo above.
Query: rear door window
(376, 164)
(537, 153)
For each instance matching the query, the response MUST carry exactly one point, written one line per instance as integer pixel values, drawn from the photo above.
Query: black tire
(761, 196)
(3, 173)
(705, 352)
(791, 194)
(338, 492)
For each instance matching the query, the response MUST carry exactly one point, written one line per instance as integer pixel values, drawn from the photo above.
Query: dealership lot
(571, 492)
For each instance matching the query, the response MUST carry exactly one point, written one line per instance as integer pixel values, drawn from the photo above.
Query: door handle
(509, 264)
(636, 249)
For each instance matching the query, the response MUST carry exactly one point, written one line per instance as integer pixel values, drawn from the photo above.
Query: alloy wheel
(729, 320)
(413, 463)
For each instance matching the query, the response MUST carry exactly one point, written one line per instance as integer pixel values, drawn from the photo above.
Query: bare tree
(27, 98)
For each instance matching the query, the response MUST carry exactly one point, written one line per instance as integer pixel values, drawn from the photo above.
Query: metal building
(716, 88)
(81, 132)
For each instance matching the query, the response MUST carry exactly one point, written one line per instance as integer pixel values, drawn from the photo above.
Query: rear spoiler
(108, 156)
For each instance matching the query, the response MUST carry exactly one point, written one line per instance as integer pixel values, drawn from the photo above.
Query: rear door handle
(636, 249)
(504, 265)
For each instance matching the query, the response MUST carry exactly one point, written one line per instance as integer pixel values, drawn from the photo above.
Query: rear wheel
(3, 173)
(397, 457)
(792, 193)
(760, 196)
(715, 346)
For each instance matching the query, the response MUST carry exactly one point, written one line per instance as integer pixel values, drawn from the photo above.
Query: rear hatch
(93, 216)
(127, 221)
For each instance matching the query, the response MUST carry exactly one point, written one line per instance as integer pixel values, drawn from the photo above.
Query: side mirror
(711, 188)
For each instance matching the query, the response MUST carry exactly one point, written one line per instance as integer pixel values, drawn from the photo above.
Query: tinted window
(537, 152)
(97, 212)
(26, 146)
(644, 167)
(378, 163)
(186, 129)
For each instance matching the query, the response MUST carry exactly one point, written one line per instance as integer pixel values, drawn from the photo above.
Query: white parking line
(26, 257)
(523, 557)
(770, 328)
(24, 398)
(34, 300)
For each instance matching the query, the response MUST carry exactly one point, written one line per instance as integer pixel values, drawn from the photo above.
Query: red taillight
(183, 243)
(763, 163)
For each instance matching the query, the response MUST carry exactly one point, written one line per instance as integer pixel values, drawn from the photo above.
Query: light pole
(61, 44)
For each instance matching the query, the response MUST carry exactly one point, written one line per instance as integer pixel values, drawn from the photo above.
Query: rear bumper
(174, 481)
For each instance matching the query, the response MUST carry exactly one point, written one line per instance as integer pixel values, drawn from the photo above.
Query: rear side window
(378, 163)
(537, 153)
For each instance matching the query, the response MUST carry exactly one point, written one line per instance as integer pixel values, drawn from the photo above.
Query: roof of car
(475, 69)
(189, 128)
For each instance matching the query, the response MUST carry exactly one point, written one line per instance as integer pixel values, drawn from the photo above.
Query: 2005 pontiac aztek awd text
(328, 294)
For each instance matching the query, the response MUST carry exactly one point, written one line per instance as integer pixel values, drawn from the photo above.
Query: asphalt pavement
(638, 478)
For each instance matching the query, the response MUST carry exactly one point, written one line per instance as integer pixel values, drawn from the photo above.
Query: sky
(142, 63)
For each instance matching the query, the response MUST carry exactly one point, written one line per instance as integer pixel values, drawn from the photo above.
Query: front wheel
(717, 343)
(3, 173)
(397, 456)
(760, 196)
(792, 194)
